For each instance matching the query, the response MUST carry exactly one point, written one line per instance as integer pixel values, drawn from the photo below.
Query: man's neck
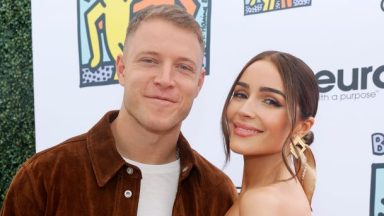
(137, 143)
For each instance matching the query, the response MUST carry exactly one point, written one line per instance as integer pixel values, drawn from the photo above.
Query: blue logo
(102, 26)
(377, 190)
(378, 144)
(260, 6)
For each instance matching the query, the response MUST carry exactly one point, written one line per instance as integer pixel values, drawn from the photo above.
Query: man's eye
(183, 67)
(148, 60)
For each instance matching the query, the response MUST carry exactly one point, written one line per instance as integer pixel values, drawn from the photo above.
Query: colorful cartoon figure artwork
(259, 6)
(377, 190)
(102, 27)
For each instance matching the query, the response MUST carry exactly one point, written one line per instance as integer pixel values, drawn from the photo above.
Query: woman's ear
(304, 126)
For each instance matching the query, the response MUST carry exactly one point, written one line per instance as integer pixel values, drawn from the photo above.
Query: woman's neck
(261, 171)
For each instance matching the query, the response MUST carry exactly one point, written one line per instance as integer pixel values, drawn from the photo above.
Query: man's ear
(120, 69)
(304, 126)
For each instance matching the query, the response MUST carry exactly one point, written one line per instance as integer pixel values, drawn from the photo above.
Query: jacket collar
(105, 159)
(187, 157)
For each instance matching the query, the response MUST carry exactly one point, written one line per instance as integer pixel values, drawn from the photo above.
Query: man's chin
(162, 126)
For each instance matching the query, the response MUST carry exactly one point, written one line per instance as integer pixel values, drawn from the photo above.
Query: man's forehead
(162, 22)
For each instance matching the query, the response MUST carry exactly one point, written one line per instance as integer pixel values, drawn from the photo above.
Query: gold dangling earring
(297, 146)
(307, 172)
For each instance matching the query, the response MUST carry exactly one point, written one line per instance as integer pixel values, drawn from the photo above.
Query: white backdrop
(342, 37)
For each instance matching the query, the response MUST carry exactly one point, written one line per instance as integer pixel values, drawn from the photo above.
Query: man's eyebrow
(188, 60)
(148, 53)
(273, 90)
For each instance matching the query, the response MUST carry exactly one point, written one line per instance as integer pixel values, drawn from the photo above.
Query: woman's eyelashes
(240, 95)
(270, 101)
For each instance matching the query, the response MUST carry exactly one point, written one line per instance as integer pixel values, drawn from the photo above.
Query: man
(134, 161)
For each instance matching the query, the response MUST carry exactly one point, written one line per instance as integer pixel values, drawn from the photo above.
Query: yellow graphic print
(116, 17)
(270, 4)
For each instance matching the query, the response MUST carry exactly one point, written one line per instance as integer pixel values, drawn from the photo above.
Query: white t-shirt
(158, 188)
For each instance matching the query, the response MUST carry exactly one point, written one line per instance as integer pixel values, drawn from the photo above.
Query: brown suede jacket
(85, 175)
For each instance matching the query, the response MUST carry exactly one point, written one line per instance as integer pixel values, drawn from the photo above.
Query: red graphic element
(286, 3)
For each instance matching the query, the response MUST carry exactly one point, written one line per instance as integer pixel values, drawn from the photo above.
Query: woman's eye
(272, 102)
(240, 95)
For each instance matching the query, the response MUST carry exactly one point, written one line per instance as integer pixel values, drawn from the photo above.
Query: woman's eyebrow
(273, 90)
(243, 84)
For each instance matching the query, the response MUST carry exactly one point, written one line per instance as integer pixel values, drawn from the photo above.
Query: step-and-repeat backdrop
(75, 42)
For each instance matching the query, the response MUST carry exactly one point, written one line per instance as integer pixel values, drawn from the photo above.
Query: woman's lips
(244, 130)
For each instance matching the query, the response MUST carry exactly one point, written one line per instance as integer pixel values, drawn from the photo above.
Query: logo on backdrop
(260, 6)
(382, 5)
(353, 86)
(102, 26)
(377, 190)
(378, 144)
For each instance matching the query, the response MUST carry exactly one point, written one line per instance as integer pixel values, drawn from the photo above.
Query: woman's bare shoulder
(263, 201)
(270, 201)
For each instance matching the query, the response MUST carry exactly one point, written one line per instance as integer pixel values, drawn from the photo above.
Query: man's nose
(165, 77)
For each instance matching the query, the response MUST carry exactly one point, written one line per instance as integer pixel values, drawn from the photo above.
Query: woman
(267, 118)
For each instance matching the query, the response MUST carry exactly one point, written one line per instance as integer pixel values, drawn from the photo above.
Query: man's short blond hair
(171, 13)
